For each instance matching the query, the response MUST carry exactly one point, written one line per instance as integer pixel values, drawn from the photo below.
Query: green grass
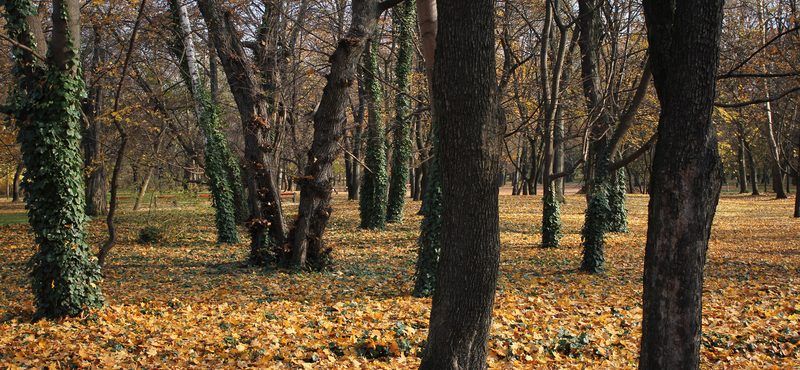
(13, 218)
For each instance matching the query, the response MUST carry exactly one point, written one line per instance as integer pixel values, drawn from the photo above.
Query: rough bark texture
(686, 179)
(255, 94)
(469, 149)
(306, 243)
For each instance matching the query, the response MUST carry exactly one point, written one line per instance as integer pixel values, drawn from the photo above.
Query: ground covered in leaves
(186, 302)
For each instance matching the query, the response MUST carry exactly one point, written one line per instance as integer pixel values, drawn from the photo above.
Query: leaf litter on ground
(187, 302)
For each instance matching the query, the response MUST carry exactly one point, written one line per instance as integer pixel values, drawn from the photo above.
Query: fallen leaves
(188, 303)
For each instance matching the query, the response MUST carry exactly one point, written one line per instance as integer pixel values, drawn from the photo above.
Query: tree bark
(96, 202)
(686, 179)
(467, 113)
(255, 93)
(15, 188)
(307, 249)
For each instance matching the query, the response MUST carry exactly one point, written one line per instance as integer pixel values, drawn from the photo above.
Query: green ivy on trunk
(45, 105)
(551, 220)
(375, 181)
(405, 16)
(429, 244)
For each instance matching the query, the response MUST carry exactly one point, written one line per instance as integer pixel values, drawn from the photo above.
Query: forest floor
(187, 302)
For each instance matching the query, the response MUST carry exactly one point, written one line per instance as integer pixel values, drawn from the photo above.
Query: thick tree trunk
(686, 179)
(306, 244)
(64, 277)
(470, 147)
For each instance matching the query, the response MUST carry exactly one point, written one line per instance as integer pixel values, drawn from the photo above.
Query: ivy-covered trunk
(597, 221)
(45, 104)
(217, 154)
(551, 219)
(372, 201)
(403, 16)
(429, 243)
(253, 82)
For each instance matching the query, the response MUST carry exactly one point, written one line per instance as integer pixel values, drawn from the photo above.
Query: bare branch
(757, 101)
(388, 4)
(768, 43)
(23, 47)
(638, 153)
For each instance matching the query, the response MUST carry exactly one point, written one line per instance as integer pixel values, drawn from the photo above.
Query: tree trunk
(143, 189)
(96, 202)
(64, 277)
(403, 15)
(307, 248)
(15, 188)
(467, 113)
(220, 166)
(255, 92)
(354, 182)
(375, 183)
(686, 179)
(741, 170)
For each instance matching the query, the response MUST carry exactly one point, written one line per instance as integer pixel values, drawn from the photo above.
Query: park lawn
(7, 218)
(187, 302)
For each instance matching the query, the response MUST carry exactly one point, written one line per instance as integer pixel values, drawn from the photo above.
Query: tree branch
(627, 160)
(388, 4)
(758, 75)
(757, 101)
(768, 43)
(23, 47)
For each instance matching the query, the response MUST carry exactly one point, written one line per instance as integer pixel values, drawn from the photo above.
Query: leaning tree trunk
(307, 248)
(255, 100)
(686, 179)
(223, 183)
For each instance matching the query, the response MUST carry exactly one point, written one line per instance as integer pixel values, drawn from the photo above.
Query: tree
(403, 15)
(551, 92)
(97, 176)
(217, 153)
(306, 246)
(375, 182)
(686, 180)
(467, 113)
(46, 107)
(429, 241)
(254, 84)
